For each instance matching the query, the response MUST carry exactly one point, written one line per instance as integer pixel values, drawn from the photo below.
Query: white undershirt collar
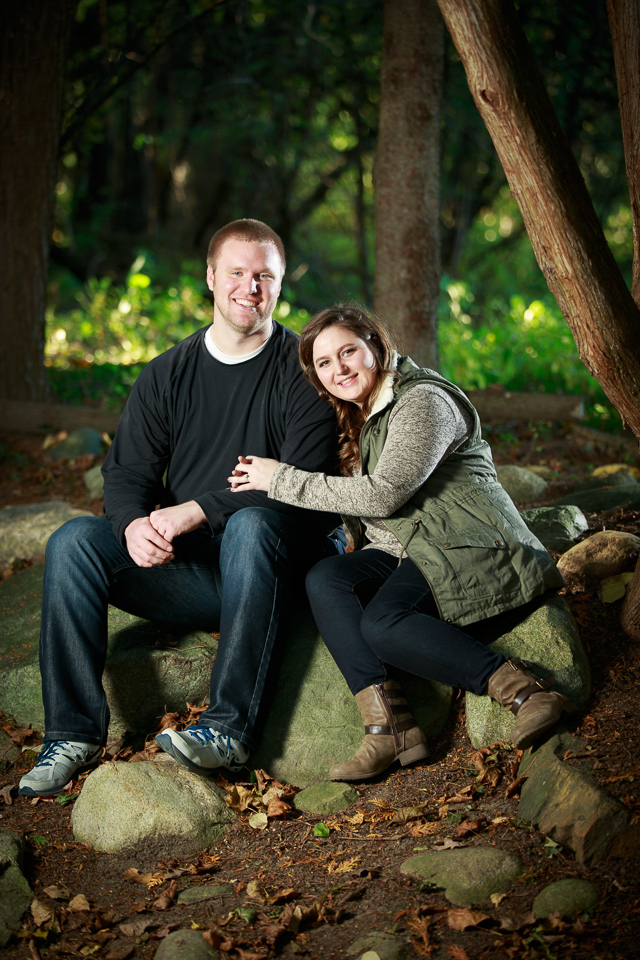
(228, 358)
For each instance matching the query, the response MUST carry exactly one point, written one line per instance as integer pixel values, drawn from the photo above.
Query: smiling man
(177, 546)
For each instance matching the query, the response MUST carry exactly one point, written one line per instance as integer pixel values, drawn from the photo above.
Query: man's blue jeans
(236, 583)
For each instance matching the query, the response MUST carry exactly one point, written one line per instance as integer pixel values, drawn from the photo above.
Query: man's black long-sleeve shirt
(191, 415)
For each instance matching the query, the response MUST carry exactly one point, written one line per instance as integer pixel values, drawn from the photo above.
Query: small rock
(567, 898)
(94, 481)
(605, 554)
(185, 945)
(382, 945)
(521, 485)
(78, 443)
(565, 803)
(467, 875)
(15, 893)
(325, 797)
(150, 805)
(557, 528)
(214, 891)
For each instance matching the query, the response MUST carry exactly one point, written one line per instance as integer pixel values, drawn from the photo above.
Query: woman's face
(344, 364)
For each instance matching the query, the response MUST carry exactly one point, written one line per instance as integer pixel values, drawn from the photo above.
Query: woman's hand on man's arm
(252, 473)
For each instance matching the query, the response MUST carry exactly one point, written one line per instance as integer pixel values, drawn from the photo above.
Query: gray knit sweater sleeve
(425, 426)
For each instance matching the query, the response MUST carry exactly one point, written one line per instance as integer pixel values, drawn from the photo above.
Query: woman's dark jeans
(372, 612)
(236, 583)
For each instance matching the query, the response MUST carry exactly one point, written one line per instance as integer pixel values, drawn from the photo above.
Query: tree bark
(34, 38)
(624, 22)
(546, 182)
(407, 176)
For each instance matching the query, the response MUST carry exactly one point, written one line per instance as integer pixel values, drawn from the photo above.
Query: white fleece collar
(385, 394)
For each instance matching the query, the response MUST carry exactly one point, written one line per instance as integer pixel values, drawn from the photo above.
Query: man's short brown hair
(251, 231)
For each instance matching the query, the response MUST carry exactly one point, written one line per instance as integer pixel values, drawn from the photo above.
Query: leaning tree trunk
(407, 176)
(34, 37)
(624, 20)
(547, 184)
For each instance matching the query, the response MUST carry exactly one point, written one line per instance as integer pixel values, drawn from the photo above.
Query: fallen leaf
(514, 787)
(346, 866)
(57, 893)
(462, 918)
(356, 819)
(278, 808)
(79, 903)
(497, 898)
(239, 798)
(167, 897)
(468, 826)
(256, 892)
(447, 844)
(137, 877)
(248, 914)
(258, 821)
(41, 912)
(134, 928)
(6, 793)
(425, 829)
(457, 953)
(404, 814)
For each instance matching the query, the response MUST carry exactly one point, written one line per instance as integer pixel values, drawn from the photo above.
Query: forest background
(181, 117)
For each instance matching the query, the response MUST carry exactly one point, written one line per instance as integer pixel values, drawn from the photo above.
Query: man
(178, 545)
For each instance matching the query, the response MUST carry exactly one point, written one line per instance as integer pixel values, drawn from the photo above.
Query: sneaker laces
(47, 756)
(206, 735)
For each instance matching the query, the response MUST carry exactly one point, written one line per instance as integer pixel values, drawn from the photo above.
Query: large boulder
(81, 442)
(605, 554)
(549, 639)
(25, 530)
(312, 722)
(522, 485)
(150, 807)
(564, 802)
(149, 669)
(557, 528)
(605, 493)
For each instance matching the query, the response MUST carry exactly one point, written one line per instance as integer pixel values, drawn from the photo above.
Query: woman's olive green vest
(461, 528)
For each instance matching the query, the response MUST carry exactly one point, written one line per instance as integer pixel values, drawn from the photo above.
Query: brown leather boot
(391, 733)
(536, 707)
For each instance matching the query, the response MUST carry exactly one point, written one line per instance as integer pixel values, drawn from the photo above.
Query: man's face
(245, 285)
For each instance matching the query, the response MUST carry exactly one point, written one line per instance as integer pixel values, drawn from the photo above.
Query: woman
(448, 565)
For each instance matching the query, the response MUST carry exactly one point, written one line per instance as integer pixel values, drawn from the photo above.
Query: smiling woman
(447, 564)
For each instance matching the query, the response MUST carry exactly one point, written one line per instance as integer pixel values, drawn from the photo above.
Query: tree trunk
(547, 184)
(407, 176)
(34, 37)
(624, 21)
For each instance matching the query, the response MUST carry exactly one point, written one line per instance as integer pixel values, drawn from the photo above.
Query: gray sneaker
(203, 750)
(58, 762)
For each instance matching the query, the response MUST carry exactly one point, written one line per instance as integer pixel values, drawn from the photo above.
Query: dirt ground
(312, 886)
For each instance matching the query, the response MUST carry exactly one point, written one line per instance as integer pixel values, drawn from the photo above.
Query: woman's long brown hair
(351, 417)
